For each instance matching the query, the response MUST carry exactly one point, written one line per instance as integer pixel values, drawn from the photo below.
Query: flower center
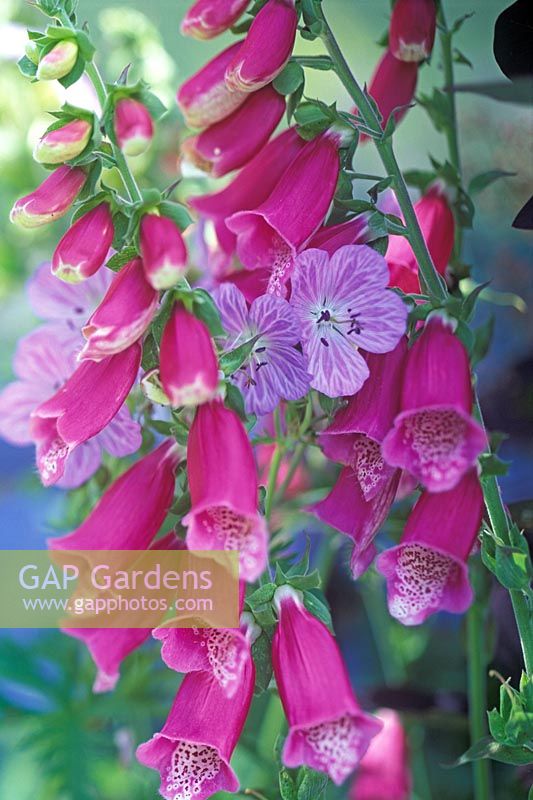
(282, 264)
(421, 578)
(222, 654)
(368, 464)
(190, 767)
(234, 532)
(436, 437)
(335, 746)
(327, 319)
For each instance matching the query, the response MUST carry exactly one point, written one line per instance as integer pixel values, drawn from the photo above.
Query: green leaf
(311, 785)
(492, 465)
(156, 108)
(482, 340)
(315, 603)
(287, 786)
(488, 748)
(305, 582)
(460, 58)
(262, 655)
(519, 91)
(459, 22)
(421, 178)
(231, 361)
(437, 106)
(315, 62)
(117, 261)
(469, 303)
(235, 400)
(176, 212)
(380, 244)
(205, 309)
(289, 79)
(262, 595)
(150, 357)
(484, 179)
(27, 67)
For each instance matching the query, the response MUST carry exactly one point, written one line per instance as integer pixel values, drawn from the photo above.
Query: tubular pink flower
(208, 18)
(266, 49)
(84, 405)
(133, 126)
(204, 98)
(110, 646)
(331, 237)
(392, 86)
(434, 436)
(51, 200)
(384, 772)
(123, 315)
(131, 511)
(232, 142)
(412, 29)
(163, 251)
(59, 61)
(223, 486)
(193, 750)
(427, 571)
(272, 234)
(84, 247)
(328, 731)
(251, 186)
(63, 143)
(438, 228)
(188, 367)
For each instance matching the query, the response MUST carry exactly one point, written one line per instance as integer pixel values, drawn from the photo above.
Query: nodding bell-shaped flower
(188, 367)
(266, 49)
(123, 315)
(59, 61)
(63, 143)
(133, 126)
(223, 485)
(434, 436)
(208, 18)
(84, 247)
(331, 237)
(328, 731)
(193, 749)
(427, 571)
(361, 499)
(51, 200)
(204, 98)
(272, 234)
(82, 407)
(110, 646)
(164, 254)
(392, 86)
(412, 29)
(384, 772)
(232, 142)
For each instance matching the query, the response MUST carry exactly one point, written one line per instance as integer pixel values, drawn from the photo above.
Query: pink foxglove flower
(427, 571)
(188, 367)
(384, 772)
(275, 369)
(131, 511)
(123, 315)
(51, 200)
(110, 646)
(80, 409)
(434, 436)
(438, 227)
(232, 142)
(251, 186)
(328, 731)
(272, 234)
(266, 49)
(193, 750)
(365, 491)
(343, 305)
(220, 651)
(133, 126)
(63, 143)
(393, 87)
(208, 18)
(331, 237)
(223, 486)
(412, 29)
(164, 254)
(84, 247)
(204, 98)
(59, 61)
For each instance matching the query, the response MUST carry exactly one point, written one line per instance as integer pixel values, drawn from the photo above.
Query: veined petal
(338, 368)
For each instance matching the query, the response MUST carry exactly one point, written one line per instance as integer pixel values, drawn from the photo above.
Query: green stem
(477, 682)
(275, 465)
(294, 463)
(430, 278)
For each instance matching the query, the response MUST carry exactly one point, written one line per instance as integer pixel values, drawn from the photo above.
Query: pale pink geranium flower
(46, 358)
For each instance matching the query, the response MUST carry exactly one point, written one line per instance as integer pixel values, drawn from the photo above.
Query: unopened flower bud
(51, 200)
(134, 128)
(59, 61)
(412, 29)
(84, 247)
(64, 143)
(208, 18)
(163, 251)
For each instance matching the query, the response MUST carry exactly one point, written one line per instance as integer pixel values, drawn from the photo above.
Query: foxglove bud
(412, 29)
(393, 86)
(84, 247)
(64, 143)
(133, 126)
(188, 365)
(232, 142)
(266, 49)
(123, 315)
(59, 61)
(51, 200)
(204, 98)
(163, 251)
(208, 18)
